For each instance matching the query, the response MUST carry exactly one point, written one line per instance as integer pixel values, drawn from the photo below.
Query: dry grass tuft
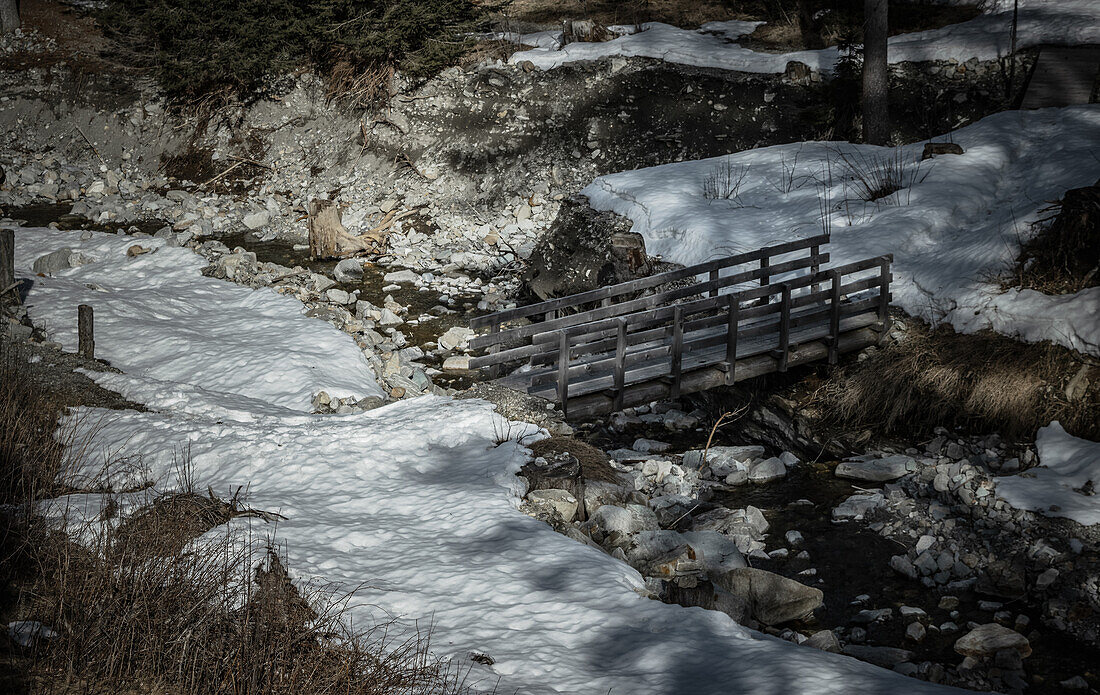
(983, 382)
(1064, 255)
(594, 463)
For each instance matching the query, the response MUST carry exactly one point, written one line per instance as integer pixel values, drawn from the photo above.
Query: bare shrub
(1063, 254)
(724, 181)
(594, 465)
(790, 179)
(937, 377)
(882, 177)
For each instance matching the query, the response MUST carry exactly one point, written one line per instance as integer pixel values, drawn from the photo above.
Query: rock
(456, 336)
(825, 640)
(772, 599)
(650, 446)
(1075, 683)
(338, 296)
(629, 520)
(902, 565)
(887, 657)
(924, 543)
(744, 526)
(257, 219)
(916, 631)
(402, 276)
(986, 640)
(858, 506)
(876, 470)
(767, 470)
(53, 262)
(137, 250)
(561, 501)
(794, 538)
(388, 318)
(348, 270)
(456, 363)
(718, 455)
(932, 149)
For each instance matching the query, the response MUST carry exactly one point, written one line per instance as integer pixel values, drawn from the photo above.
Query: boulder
(560, 501)
(772, 599)
(858, 506)
(719, 455)
(876, 470)
(767, 470)
(745, 527)
(986, 640)
(53, 262)
(348, 270)
(886, 657)
(825, 640)
(456, 336)
(627, 521)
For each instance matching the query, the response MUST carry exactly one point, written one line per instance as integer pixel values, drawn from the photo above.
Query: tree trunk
(876, 116)
(327, 236)
(9, 16)
(807, 27)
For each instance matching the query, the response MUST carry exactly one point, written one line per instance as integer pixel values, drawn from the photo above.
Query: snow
(714, 45)
(158, 318)
(1066, 465)
(957, 225)
(413, 506)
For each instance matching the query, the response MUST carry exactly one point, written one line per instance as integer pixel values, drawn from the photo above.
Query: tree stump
(327, 236)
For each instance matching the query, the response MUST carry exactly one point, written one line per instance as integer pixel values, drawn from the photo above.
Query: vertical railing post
(677, 349)
(620, 364)
(765, 278)
(7, 267)
(563, 371)
(815, 266)
(494, 370)
(713, 278)
(85, 332)
(834, 317)
(884, 291)
(732, 318)
(784, 325)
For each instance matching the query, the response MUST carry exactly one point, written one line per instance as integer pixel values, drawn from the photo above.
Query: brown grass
(1063, 256)
(983, 382)
(594, 463)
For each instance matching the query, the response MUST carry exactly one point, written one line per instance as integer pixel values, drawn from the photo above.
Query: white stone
(767, 470)
(405, 276)
(858, 506)
(457, 363)
(564, 503)
(257, 219)
(876, 470)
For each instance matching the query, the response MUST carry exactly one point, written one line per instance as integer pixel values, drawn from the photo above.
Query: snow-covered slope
(1057, 487)
(955, 227)
(158, 318)
(413, 505)
(714, 45)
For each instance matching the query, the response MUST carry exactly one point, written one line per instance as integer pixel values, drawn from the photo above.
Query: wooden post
(563, 371)
(677, 349)
(85, 332)
(713, 277)
(784, 326)
(834, 317)
(815, 267)
(7, 266)
(328, 238)
(494, 370)
(620, 364)
(732, 318)
(884, 292)
(551, 315)
(765, 279)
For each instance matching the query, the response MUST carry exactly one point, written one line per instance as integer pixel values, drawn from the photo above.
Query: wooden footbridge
(689, 329)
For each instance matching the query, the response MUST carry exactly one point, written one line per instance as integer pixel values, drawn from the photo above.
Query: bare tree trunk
(876, 116)
(9, 16)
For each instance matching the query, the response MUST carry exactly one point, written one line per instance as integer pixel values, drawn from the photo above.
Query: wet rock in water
(858, 506)
(825, 640)
(767, 470)
(876, 469)
(986, 640)
(401, 276)
(348, 270)
(718, 456)
(887, 657)
(745, 527)
(560, 501)
(626, 521)
(772, 599)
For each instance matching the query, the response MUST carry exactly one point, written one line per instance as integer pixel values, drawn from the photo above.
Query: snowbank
(955, 226)
(714, 45)
(412, 505)
(158, 319)
(1066, 465)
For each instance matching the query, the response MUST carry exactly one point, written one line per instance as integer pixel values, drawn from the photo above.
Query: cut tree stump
(329, 239)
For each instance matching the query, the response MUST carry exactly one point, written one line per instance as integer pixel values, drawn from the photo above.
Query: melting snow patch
(1063, 483)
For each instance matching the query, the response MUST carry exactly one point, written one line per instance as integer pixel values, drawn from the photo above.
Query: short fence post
(784, 325)
(714, 277)
(815, 266)
(766, 278)
(884, 292)
(732, 318)
(677, 349)
(620, 364)
(563, 371)
(85, 332)
(494, 370)
(834, 317)
(7, 265)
